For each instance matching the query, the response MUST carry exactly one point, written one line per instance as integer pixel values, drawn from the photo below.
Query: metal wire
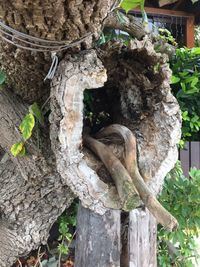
(31, 43)
(28, 42)
(53, 67)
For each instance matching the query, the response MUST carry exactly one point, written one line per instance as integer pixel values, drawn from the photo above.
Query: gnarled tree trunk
(36, 188)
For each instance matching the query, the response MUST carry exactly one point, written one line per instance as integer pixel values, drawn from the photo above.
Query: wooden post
(142, 239)
(190, 32)
(98, 239)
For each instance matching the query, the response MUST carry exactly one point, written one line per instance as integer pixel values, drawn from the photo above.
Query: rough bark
(127, 24)
(35, 189)
(52, 20)
(74, 75)
(32, 193)
(144, 104)
(100, 234)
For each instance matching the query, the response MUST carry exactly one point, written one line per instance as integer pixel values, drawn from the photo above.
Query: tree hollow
(129, 86)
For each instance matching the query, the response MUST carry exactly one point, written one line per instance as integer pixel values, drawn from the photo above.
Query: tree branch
(153, 205)
(130, 159)
(126, 189)
(128, 24)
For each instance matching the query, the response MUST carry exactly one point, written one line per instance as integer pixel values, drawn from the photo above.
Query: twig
(39, 257)
(20, 264)
(59, 258)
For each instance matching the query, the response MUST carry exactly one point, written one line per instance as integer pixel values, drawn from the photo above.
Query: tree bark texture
(32, 193)
(35, 189)
(143, 104)
(53, 20)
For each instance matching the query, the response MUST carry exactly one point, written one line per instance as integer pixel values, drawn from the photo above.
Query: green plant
(166, 36)
(128, 5)
(26, 127)
(67, 221)
(194, 1)
(110, 34)
(185, 83)
(181, 196)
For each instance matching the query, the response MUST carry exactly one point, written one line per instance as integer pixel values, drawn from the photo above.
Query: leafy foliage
(128, 5)
(166, 36)
(131, 4)
(18, 149)
(36, 111)
(181, 196)
(111, 34)
(67, 222)
(26, 128)
(186, 87)
(27, 125)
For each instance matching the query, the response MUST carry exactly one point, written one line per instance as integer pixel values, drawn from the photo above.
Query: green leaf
(194, 81)
(183, 86)
(36, 111)
(2, 77)
(23, 152)
(130, 4)
(27, 125)
(18, 149)
(63, 249)
(174, 79)
(194, 1)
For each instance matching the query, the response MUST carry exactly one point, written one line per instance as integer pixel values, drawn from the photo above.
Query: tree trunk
(32, 193)
(35, 189)
(53, 20)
